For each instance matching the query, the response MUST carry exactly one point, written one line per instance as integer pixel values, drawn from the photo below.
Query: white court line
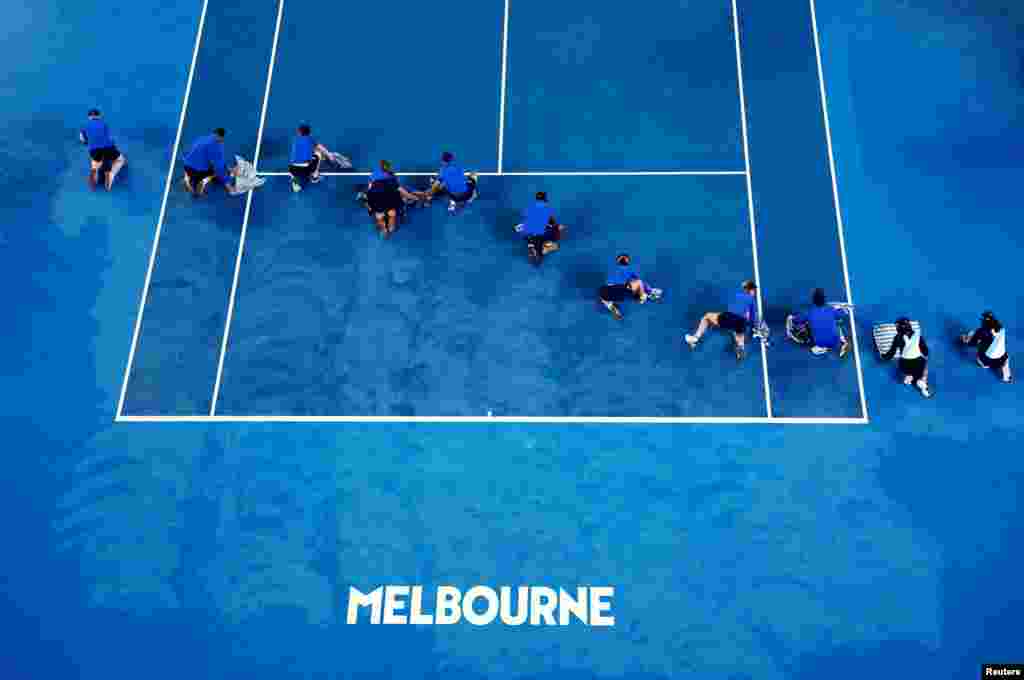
(573, 173)
(750, 201)
(579, 420)
(245, 220)
(163, 210)
(839, 213)
(504, 81)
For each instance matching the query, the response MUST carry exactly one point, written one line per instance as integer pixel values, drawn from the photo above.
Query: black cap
(542, 196)
(219, 132)
(94, 112)
(818, 298)
(623, 258)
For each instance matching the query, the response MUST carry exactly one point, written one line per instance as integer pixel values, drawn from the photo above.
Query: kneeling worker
(822, 320)
(205, 162)
(541, 229)
(990, 339)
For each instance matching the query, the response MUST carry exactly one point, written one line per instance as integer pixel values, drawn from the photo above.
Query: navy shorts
(732, 322)
(107, 154)
(614, 293)
(993, 363)
(305, 170)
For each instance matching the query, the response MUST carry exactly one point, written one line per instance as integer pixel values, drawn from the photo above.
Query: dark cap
(220, 132)
(447, 157)
(94, 112)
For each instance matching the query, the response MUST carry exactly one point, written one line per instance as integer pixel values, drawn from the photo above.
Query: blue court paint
(760, 552)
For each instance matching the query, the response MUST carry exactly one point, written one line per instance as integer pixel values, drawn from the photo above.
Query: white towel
(246, 178)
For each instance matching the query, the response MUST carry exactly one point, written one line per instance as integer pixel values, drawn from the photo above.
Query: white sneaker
(296, 187)
(519, 228)
(315, 179)
(908, 380)
(818, 351)
(923, 386)
(691, 340)
(452, 206)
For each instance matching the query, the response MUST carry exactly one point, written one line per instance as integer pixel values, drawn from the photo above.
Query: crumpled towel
(339, 160)
(246, 178)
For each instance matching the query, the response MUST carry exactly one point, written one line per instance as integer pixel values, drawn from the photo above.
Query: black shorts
(614, 293)
(732, 322)
(464, 196)
(197, 176)
(914, 367)
(993, 363)
(383, 199)
(551, 233)
(304, 171)
(107, 154)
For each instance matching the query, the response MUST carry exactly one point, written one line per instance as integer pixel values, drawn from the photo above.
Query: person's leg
(709, 319)
(314, 169)
(1006, 374)
(609, 295)
(922, 380)
(296, 172)
(741, 344)
(380, 219)
(113, 156)
(392, 221)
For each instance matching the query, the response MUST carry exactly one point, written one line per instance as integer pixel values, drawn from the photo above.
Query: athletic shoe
(691, 340)
(188, 185)
(613, 308)
(656, 293)
(923, 387)
(844, 349)
(361, 197)
(315, 179)
(519, 228)
(531, 254)
(908, 380)
(741, 353)
(109, 182)
(452, 207)
(204, 184)
(818, 351)
(549, 247)
(296, 187)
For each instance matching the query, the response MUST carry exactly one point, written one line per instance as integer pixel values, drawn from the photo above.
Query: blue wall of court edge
(750, 552)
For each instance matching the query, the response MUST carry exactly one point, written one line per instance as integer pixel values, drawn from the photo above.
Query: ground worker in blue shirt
(822, 321)
(205, 162)
(541, 229)
(307, 157)
(741, 315)
(453, 182)
(102, 151)
(623, 282)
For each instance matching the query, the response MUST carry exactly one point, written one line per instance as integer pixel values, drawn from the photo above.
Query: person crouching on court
(307, 157)
(102, 151)
(823, 322)
(386, 198)
(740, 315)
(541, 229)
(623, 282)
(911, 349)
(205, 163)
(452, 181)
(990, 339)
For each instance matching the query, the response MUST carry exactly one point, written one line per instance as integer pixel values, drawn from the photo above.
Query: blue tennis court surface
(223, 550)
(281, 304)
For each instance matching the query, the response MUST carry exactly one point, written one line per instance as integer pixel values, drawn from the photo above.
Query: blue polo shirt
(536, 218)
(744, 305)
(302, 149)
(822, 321)
(454, 178)
(96, 134)
(208, 154)
(621, 275)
